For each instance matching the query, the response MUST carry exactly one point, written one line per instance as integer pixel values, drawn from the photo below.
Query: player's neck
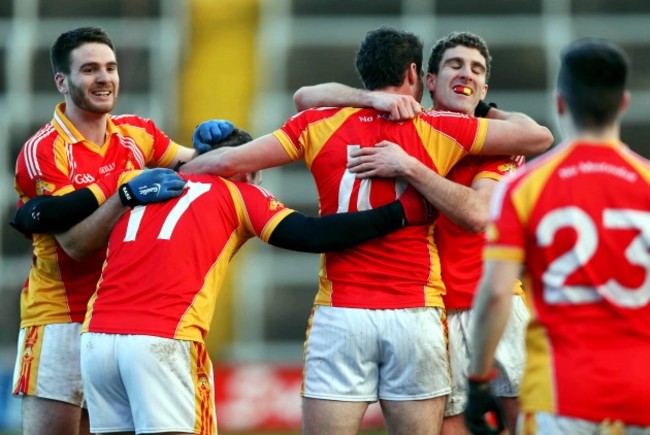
(404, 89)
(91, 125)
(608, 133)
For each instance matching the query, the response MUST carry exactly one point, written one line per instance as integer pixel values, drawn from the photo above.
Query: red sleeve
(263, 210)
(157, 148)
(469, 132)
(496, 167)
(505, 232)
(37, 171)
(290, 134)
(162, 144)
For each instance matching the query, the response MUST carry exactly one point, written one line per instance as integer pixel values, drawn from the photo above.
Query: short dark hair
(592, 78)
(236, 138)
(454, 39)
(68, 41)
(384, 56)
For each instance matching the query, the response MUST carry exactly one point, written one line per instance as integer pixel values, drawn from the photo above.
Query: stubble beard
(83, 102)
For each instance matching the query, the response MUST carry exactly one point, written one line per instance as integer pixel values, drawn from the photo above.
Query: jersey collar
(69, 132)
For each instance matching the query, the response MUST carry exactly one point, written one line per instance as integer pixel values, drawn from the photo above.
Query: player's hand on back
(385, 159)
(400, 107)
(417, 209)
(209, 133)
(152, 185)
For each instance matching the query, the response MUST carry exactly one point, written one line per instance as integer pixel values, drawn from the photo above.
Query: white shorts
(361, 355)
(509, 359)
(544, 423)
(147, 384)
(47, 363)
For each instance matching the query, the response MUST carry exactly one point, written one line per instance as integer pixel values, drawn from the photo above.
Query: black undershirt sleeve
(54, 214)
(336, 231)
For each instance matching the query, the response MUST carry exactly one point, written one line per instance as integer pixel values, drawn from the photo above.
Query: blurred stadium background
(183, 61)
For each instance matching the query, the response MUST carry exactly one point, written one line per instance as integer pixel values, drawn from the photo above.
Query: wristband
(127, 198)
(483, 108)
(487, 378)
(178, 166)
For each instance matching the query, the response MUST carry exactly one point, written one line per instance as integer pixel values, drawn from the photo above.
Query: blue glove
(209, 133)
(153, 185)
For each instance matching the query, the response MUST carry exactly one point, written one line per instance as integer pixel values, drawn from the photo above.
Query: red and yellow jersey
(579, 220)
(461, 251)
(55, 161)
(166, 262)
(402, 269)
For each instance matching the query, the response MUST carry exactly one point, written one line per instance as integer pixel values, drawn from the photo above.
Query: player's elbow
(301, 99)
(477, 225)
(77, 253)
(540, 141)
(476, 222)
(474, 216)
(76, 249)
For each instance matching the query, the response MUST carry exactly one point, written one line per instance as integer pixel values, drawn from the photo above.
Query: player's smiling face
(93, 82)
(460, 82)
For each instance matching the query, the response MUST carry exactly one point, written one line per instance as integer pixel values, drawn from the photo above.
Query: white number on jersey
(637, 253)
(194, 190)
(363, 198)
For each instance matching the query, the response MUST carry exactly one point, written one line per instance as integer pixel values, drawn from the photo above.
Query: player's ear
(560, 103)
(61, 83)
(484, 91)
(413, 74)
(625, 101)
(431, 80)
(254, 178)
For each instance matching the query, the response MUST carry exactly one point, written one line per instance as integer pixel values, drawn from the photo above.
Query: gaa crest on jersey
(274, 204)
(491, 232)
(508, 168)
(43, 187)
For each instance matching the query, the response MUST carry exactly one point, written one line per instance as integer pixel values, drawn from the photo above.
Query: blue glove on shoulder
(209, 133)
(153, 185)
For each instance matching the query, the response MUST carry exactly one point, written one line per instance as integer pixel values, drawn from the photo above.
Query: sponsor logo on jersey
(107, 168)
(491, 232)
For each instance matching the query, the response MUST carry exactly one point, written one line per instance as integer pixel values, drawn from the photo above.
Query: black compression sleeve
(336, 231)
(54, 214)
